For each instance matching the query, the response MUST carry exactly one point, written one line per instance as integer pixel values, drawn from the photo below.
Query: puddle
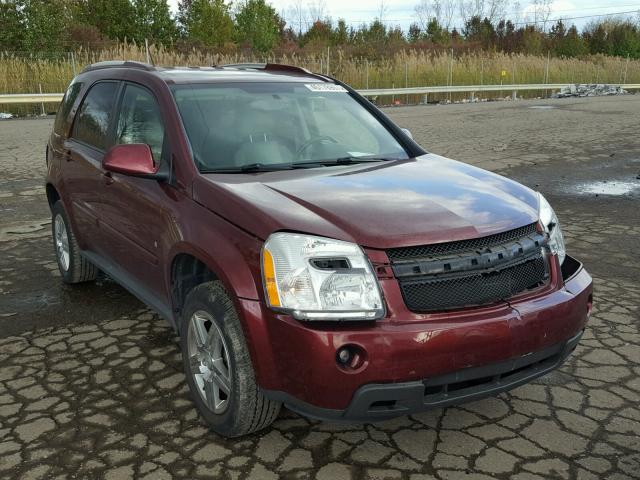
(542, 107)
(609, 188)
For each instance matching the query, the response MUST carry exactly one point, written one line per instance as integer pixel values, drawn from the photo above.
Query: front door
(136, 218)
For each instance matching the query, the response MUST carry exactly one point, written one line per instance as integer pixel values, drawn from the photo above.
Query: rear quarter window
(91, 124)
(63, 121)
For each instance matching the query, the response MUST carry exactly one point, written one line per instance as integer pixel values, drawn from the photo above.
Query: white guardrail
(372, 92)
(475, 89)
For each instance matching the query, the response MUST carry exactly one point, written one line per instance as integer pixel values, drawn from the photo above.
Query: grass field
(52, 73)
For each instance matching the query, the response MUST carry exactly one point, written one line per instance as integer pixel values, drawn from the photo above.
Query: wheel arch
(52, 194)
(187, 271)
(191, 266)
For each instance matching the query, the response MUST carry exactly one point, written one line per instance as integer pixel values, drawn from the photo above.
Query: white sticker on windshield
(325, 87)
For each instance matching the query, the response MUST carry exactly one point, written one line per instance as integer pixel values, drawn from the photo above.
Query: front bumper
(381, 401)
(416, 363)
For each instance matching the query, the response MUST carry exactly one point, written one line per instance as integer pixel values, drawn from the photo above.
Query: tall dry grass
(52, 73)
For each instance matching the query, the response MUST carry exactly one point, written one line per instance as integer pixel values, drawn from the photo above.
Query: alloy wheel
(61, 239)
(209, 361)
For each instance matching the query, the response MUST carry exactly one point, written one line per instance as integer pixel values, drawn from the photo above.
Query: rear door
(82, 161)
(137, 220)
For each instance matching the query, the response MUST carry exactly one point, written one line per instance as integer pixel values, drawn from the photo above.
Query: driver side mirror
(133, 159)
(407, 132)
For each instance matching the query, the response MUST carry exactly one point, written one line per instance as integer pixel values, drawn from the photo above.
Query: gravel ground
(91, 383)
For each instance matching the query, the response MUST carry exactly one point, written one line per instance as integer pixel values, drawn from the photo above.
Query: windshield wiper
(344, 161)
(267, 167)
(252, 167)
(262, 167)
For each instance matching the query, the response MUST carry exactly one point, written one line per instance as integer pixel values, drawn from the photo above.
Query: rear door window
(140, 121)
(92, 121)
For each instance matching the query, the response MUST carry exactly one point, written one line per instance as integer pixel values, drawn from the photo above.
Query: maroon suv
(305, 248)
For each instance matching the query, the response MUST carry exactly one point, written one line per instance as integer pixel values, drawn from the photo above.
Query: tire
(243, 409)
(74, 268)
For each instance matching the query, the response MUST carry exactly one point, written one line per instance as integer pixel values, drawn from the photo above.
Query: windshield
(279, 125)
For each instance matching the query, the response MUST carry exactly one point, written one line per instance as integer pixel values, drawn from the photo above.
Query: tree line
(61, 25)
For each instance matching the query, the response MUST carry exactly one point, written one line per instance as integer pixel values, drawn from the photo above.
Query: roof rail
(118, 64)
(273, 67)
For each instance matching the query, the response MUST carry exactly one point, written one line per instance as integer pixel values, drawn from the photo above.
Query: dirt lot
(91, 383)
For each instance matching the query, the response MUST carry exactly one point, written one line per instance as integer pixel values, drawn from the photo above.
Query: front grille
(470, 272)
(448, 248)
(477, 288)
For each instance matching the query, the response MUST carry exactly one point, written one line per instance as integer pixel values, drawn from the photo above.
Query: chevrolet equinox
(307, 251)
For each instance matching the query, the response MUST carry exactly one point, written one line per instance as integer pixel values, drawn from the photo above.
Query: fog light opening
(350, 357)
(589, 305)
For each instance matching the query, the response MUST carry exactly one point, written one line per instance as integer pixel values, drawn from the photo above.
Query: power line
(517, 23)
(514, 12)
(578, 18)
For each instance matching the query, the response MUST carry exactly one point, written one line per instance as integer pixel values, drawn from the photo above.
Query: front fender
(233, 256)
(231, 253)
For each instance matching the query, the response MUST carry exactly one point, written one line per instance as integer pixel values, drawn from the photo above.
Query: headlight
(551, 225)
(316, 278)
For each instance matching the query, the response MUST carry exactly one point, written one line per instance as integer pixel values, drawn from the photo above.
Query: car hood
(427, 199)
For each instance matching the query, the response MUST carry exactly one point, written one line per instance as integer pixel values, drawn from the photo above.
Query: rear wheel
(218, 366)
(73, 267)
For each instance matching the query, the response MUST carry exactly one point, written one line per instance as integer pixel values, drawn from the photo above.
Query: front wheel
(73, 267)
(218, 366)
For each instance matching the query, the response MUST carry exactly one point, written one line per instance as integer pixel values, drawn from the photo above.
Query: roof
(241, 72)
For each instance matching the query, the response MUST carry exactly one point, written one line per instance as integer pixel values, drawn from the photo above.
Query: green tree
(596, 37)
(532, 40)
(377, 32)
(436, 33)
(566, 43)
(257, 25)
(318, 35)
(624, 39)
(341, 33)
(115, 19)
(153, 21)
(478, 30)
(45, 24)
(206, 21)
(12, 30)
(415, 33)
(573, 44)
(395, 37)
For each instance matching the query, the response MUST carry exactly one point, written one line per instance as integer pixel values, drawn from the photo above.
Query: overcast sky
(401, 12)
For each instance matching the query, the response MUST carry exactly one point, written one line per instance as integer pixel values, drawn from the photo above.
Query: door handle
(67, 155)
(108, 178)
